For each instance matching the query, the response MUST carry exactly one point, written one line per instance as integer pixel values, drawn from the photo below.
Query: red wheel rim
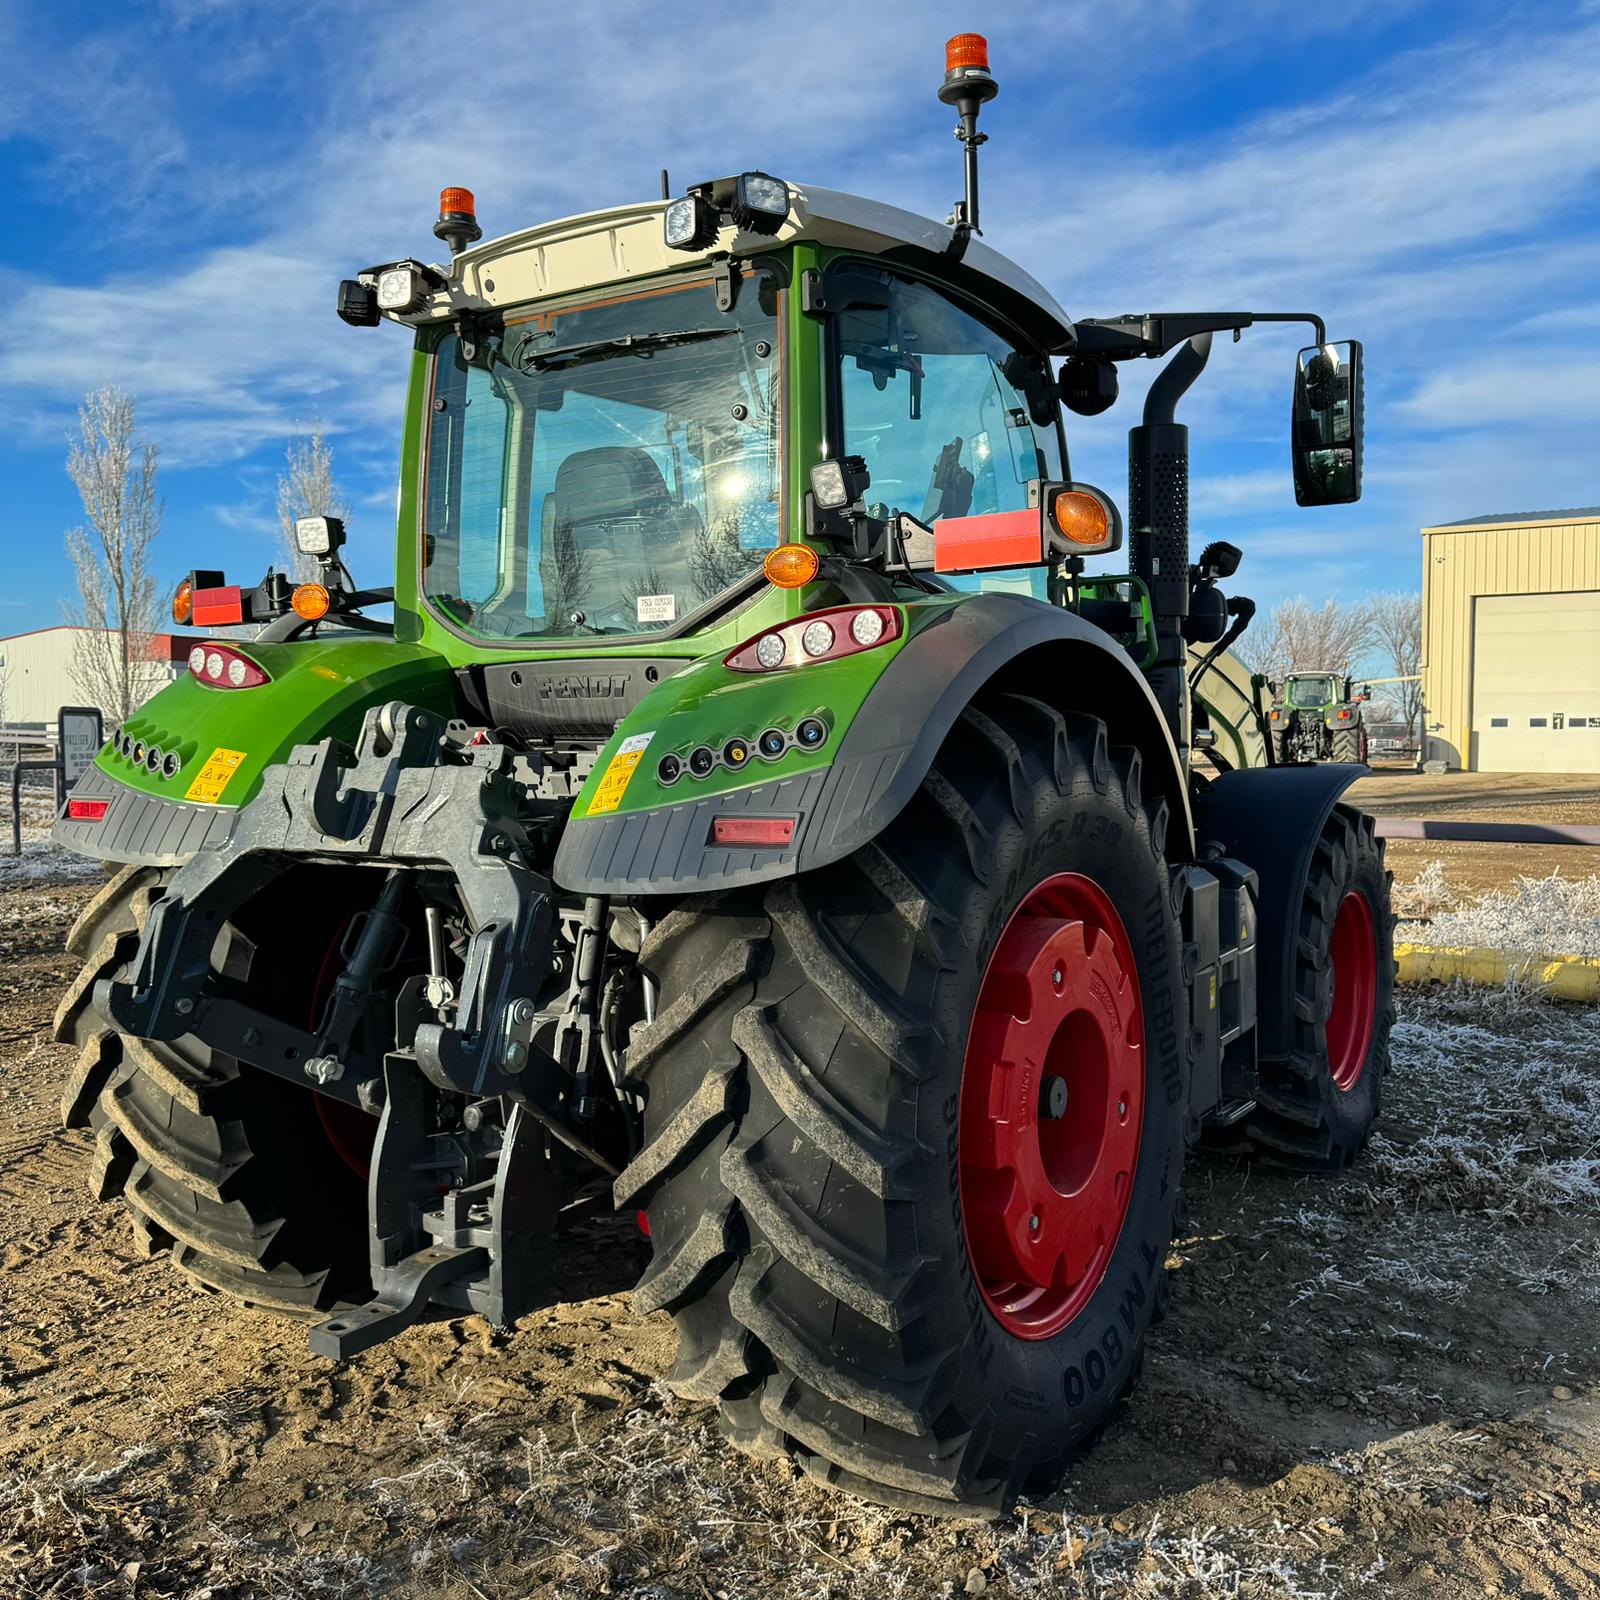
(1353, 979)
(1044, 1198)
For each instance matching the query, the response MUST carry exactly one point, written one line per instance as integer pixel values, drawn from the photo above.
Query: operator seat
(609, 531)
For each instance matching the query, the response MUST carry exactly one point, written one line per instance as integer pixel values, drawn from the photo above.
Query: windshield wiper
(630, 344)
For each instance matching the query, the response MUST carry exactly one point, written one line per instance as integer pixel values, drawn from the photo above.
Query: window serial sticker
(212, 778)
(657, 607)
(617, 775)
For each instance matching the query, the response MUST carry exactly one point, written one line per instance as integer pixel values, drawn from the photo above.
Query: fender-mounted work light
(318, 536)
(840, 483)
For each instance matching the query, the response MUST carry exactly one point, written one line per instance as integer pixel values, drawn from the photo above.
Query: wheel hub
(1052, 1102)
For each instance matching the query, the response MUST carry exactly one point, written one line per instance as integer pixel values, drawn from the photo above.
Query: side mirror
(1326, 424)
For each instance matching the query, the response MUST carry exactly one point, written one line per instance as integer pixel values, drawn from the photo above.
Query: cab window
(935, 402)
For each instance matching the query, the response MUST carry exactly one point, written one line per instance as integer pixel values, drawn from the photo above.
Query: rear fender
(1271, 819)
(998, 642)
(897, 719)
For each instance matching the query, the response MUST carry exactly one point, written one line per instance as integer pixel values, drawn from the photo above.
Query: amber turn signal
(310, 601)
(791, 566)
(183, 602)
(1081, 520)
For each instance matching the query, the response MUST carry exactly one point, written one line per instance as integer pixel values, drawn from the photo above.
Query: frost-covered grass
(1555, 916)
(1494, 1107)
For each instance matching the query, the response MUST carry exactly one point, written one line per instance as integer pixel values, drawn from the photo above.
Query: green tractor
(753, 817)
(1316, 716)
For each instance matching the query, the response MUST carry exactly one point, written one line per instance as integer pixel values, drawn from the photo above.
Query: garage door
(1536, 682)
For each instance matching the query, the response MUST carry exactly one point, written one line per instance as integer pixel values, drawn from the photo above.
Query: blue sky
(186, 182)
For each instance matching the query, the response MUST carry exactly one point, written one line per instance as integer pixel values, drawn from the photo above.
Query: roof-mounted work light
(405, 287)
(753, 202)
(760, 203)
(357, 303)
(689, 223)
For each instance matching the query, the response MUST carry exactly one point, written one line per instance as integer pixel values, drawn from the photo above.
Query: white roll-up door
(1536, 682)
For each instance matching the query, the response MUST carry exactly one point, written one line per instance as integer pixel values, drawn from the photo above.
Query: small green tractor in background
(753, 815)
(1316, 716)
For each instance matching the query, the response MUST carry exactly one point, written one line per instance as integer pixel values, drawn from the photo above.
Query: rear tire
(226, 1168)
(1347, 745)
(1316, 1106)
(802, 1172)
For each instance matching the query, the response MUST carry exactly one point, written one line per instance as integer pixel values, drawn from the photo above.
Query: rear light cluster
(818, 636)
(87, 810)
(222, 668)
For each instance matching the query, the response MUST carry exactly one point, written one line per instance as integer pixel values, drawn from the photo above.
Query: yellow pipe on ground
(1561, 977)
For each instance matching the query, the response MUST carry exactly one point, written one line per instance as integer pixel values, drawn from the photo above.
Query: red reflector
(644, 1223)
(994, 539)
(87, 810)
(214, 606)
(752, 830)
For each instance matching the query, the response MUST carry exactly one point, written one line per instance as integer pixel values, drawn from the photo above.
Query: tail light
(219, 667)
(87, 810)
(818, 636)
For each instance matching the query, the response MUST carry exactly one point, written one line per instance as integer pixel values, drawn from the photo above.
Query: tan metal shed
(1511, 641)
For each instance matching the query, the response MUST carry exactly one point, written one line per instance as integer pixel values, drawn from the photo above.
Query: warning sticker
(212, 778)
(657, 607)
(614, 784)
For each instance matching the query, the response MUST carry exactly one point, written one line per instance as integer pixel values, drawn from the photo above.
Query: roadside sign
(79, 730)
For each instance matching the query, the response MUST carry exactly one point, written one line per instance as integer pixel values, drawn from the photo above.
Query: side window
(932, 400)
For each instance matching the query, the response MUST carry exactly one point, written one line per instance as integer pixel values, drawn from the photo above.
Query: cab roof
(623, 242)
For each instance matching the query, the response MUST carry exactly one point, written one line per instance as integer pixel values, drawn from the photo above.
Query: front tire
(1316, 1106)
(814, 1182)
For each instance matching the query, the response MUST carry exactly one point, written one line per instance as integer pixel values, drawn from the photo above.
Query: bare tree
(1300, 639)
(1397, 628)
(306, 489)
(114, 470)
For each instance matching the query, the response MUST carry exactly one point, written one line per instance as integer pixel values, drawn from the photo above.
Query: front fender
(1271, 819)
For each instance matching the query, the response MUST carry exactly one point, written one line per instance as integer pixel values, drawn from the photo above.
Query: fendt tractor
(1316, 716)
(751, 815)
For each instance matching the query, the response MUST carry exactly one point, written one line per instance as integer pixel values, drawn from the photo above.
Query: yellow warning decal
(614, 784)
(212, 778)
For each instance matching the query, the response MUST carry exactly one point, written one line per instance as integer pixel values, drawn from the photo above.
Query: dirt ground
(1385, 1382)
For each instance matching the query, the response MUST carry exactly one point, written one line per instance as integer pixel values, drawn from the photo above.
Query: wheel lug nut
(1122, 1108)
(1053, 1098)
(1055, 977)
(1033, 1224)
